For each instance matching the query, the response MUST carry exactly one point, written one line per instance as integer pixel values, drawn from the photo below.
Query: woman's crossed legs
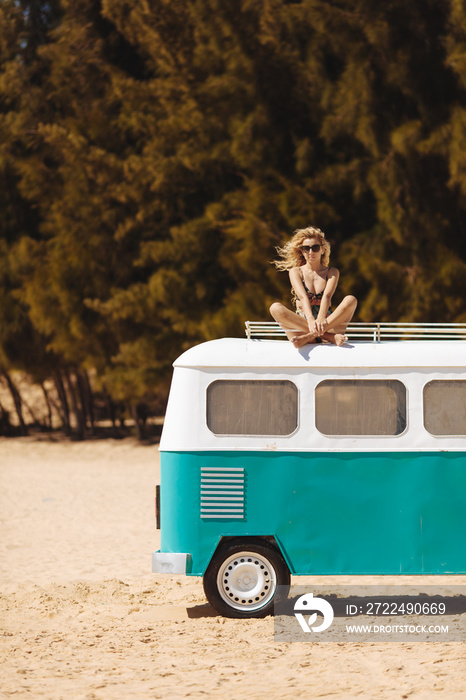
(297, 329)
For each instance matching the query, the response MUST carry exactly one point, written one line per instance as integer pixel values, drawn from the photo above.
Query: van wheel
(242, 579)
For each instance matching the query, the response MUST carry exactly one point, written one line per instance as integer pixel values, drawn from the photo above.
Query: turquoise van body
(342, 513)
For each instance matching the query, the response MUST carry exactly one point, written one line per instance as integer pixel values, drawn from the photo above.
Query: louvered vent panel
(222, 493)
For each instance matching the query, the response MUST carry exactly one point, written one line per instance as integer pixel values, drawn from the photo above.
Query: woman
(307, 257)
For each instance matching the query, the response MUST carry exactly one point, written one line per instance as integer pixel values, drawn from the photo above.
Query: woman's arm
(332, 282)
(298, 286)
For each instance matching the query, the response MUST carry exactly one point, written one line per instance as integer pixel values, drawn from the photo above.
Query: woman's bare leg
(339, 319)
(295, 326)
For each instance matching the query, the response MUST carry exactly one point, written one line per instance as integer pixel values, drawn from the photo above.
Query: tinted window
(252, 407)
(361, 407)
(445, 407)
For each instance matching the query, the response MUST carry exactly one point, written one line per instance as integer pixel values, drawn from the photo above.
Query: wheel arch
(271, 540)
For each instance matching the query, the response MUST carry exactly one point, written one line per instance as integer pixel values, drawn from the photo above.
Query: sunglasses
(315, 248)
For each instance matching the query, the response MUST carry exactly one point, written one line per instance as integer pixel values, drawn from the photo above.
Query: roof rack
(373, 331)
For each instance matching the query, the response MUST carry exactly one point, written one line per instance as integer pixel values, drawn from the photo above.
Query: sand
(82, 616)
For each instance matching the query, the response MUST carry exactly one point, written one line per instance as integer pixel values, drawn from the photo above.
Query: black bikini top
(313, 297)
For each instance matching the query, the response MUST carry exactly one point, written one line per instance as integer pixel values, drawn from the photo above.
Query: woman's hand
(321, 326)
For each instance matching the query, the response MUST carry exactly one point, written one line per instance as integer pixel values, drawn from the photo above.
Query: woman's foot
(340, 339)
(305, 339)
(335, 338)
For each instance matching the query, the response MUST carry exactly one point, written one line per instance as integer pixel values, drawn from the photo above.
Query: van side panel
(331, 513)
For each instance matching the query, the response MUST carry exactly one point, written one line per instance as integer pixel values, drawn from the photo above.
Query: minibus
(319, 461)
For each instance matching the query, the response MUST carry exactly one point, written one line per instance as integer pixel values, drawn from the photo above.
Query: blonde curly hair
(291, 253)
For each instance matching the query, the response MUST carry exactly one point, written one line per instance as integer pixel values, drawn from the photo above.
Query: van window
(445, 407)
(360, 407)
(252, 407)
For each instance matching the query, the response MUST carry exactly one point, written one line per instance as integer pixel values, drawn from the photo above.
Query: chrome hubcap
(247, 581)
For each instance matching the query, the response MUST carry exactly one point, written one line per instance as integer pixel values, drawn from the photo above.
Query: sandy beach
(83, 617)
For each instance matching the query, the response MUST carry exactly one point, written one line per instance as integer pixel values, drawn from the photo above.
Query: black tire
(242, 578)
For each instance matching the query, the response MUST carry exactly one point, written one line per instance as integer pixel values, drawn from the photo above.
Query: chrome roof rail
(372, 331)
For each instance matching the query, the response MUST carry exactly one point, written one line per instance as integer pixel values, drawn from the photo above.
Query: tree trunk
(16, 396)
(81, 398)
(87, 398)
(5, 425)
(65, 410)
(77, 412)
(48, 404)
(112, 414)
(138, 421)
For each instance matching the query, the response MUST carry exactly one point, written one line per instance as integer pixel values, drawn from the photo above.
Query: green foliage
(152, 156)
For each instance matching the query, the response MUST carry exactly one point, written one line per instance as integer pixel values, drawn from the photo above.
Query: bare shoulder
(295, 271)
(333, 272)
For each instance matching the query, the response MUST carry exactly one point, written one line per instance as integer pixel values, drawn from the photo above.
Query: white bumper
(166, 563)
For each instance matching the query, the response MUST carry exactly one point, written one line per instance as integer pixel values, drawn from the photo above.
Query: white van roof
(245, 353)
